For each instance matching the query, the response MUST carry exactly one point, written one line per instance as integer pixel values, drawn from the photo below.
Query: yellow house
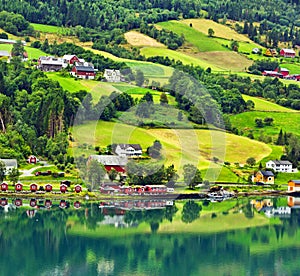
(271, 52)
(263, 177)
(294, 186)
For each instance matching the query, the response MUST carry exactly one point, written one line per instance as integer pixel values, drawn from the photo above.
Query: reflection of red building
(3, 202)
(18, 202)
(76, 204)
(294, 202)
(62, 204)
(33, 202)
(48, 203)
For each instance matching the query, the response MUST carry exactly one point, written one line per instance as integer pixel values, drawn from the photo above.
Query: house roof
(296, 181)
(110, 160)
(51, 61)
(281, 162)
(10, 41)
(267, 173)
(10, 162)
(85, 68)
(125, 146)
(284, 70)
(290, 51)
(68, 57)
(4, 54)
(110, 72)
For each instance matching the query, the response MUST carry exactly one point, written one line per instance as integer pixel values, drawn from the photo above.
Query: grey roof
(10, 162)
(4, 54)
(85, 68)
(282, 162)
(110, 160)
(296, 181)
(125, 146)
(267, 173)
(109, 72)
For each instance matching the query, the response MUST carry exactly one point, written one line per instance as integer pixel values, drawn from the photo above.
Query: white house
(112, 75)
(127, 149)
(9, 164)
(280, 166)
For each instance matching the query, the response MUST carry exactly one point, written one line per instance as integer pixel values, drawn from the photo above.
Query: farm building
(274, 74)
(4, 54)
(290, 53)
(71, 59)
(51, 64)
(9, 164)
(271, 52)
(11, 41)
(32, 159)
(111, 162)
(294, 186)
(112, 75)
(83, 70)
(280, 166)
(127, 149)
(263, 177)
(285, 72)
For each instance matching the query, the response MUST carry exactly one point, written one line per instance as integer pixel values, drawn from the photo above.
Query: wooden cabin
(63, 188)
(78, 188)
(4, 187)
(19, 187)
(48, 187)
(33, 187)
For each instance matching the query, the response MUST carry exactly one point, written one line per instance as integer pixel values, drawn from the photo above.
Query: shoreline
(93, 197)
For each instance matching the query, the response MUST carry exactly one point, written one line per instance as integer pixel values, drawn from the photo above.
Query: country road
(29, 172)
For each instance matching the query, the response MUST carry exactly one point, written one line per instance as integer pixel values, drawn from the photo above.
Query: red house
(63, 188)
(71, 59)
(84, 71)
(4, 187)
(32, 159)
(19, 187)
(3, 202)
(290, 53)
(48, 203)
(111, 162)
(18, 202)
(48, 187)
(33, 187)
(157, 189)
(76, 204)
(77, 188)
(285, 72)
(33, 202)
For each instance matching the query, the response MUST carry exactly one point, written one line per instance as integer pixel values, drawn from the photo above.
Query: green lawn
(289, 122)
(264, 105)
(198, 39)
(33, 53)
(47, 28)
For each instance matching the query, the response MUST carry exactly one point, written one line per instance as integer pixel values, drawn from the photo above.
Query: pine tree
(280, 139)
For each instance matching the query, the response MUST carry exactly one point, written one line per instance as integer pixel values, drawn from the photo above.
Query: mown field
(33, 53)
(288, 122)
(47, 28)
(135, 38)
(264, 105)
(180, 146)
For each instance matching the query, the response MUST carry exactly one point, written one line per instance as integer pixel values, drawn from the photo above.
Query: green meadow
(288, 122)
(263, 105)
(180, 146)
(33, 53)
(47, 28)
(198, 39)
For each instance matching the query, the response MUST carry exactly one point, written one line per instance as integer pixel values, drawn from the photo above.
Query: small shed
(63, 188)
(48, 187)
(76, 204)
(18, 202)
(4, 187)
(32, 159)
(33, 187)
(78, 188)
(19, 187)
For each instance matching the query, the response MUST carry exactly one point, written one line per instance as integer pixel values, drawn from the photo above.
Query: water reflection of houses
(266, 206)
(114, 211)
